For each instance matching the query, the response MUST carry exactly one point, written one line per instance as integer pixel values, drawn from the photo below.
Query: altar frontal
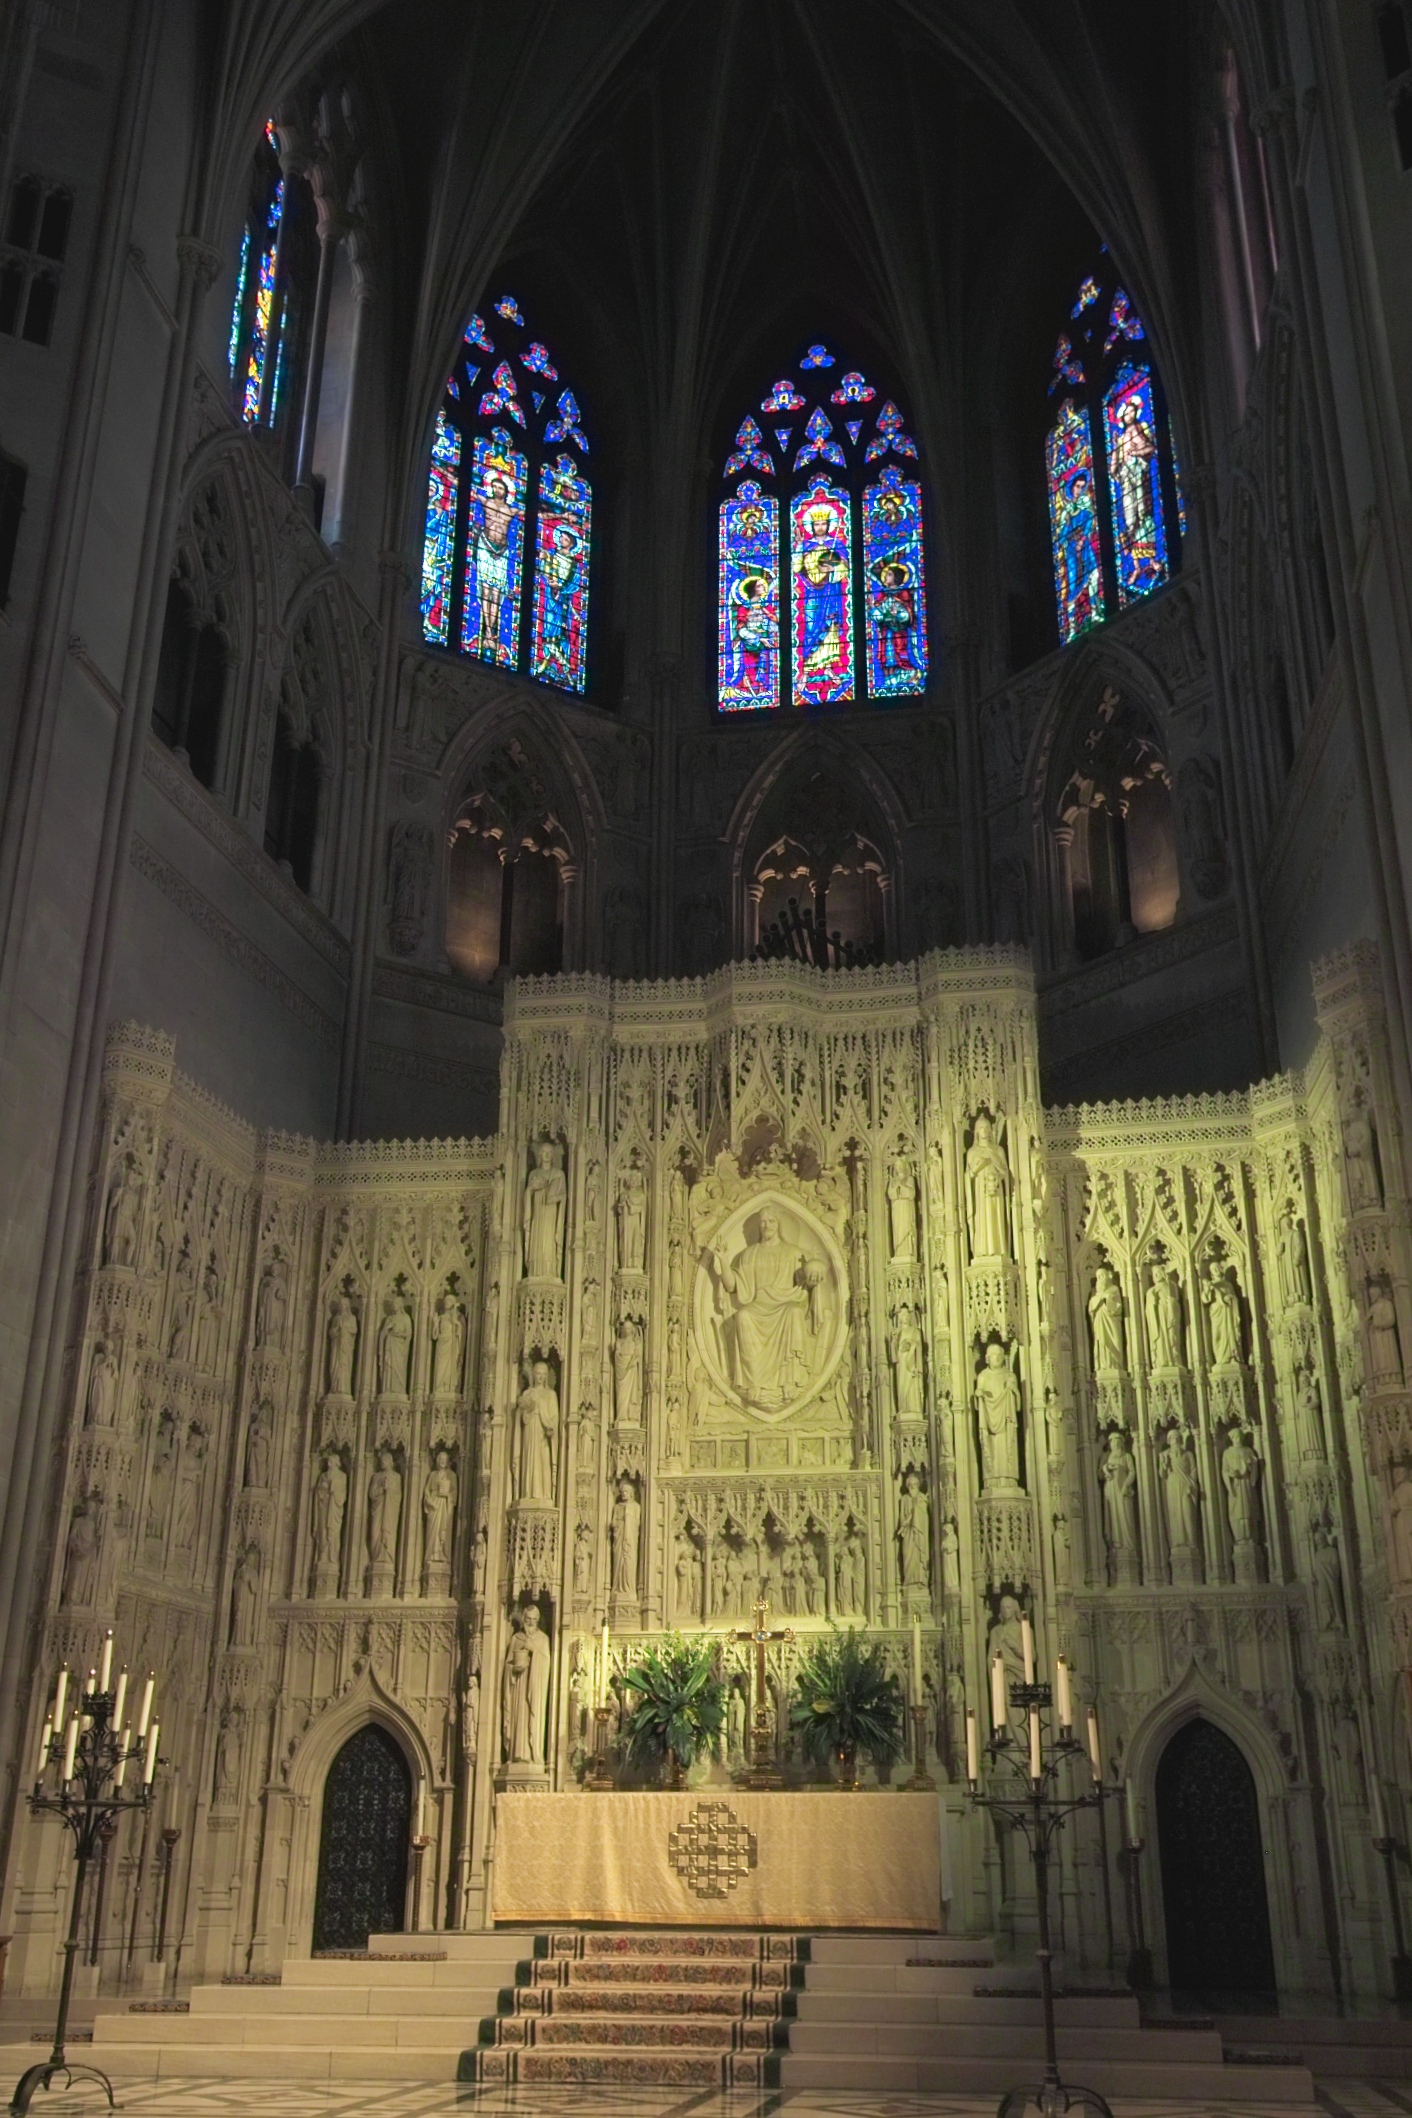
(720, 1858)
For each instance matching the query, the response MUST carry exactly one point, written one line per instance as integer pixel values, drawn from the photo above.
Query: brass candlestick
(600, 1779)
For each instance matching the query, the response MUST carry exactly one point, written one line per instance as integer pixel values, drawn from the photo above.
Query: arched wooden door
(1213, 1869)
(363, 1849)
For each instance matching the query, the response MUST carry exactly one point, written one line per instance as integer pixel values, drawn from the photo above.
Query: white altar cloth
(719, 1857)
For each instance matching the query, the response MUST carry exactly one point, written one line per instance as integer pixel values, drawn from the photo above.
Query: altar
(720, 1857)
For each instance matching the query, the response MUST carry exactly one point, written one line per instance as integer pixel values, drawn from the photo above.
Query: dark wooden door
(1213, 1870)
(363, 1851)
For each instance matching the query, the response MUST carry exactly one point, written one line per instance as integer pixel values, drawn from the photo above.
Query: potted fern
(846, 1704)
(677, 1707)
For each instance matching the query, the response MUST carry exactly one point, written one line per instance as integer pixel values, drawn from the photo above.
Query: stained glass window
(821, 554)
(507, 542)
(257, 349)
(1115, 504)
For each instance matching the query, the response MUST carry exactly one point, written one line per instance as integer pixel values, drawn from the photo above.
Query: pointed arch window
(508, 535)
(1115, 508)
(258, 350)
(820, 548)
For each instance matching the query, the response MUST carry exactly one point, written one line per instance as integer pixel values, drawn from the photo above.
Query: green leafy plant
(846, 1703)
(678, 1704)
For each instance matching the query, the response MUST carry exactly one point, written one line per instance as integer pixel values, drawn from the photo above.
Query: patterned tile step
(769, 1948)
(542, 2032)
(661, 1971)
(679, 2070)
(647, 2000)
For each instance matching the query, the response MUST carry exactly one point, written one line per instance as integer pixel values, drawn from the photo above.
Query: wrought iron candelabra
(1031, 1801)
(84, 1762)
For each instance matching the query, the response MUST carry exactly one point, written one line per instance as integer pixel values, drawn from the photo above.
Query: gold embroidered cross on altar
(762, 1772)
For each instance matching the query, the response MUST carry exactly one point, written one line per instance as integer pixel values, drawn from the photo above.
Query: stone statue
(988, 1191)
(448, 1333)
(257, 1451)
(183, 1305)
(1007, 1641)
(524, 1691)
(1164, 1318)
(735, 1724)
(208, 1320)
(271, 1300)
(342, 1346)
(1223, 1308)
(384, 1509)
(330, 1499)
(123, 1215)
(811, 1581)
(593, 1193)
(159, 1486)
(583, 1560)
(1384, 1342)
(1105, 1312)
(187, 1508)
(1293, 1255)
(411, 855)
(102, 1399)
(1182, 1485)
(545, 1196)
(1399, 1523)
(850, 1575)
(245, 1598)
(537, 1435)
(902, 1209)
(1360, 1158)
(770, 1295)
(439, 1511)
(627, 1373)
(228, 1755)
(1328, 1581)
(479, 1554)
(1118, 1474)
(626, 1531)
(674, 1438)
(631, 1214)
(470, 1716)
(81, 1551)
(909, 1389)
(998, 1414)
(1061, 1545)
(950, 1558)
(1308, 1413)
(395, 1347)
(1240, 1474)
(914, 1534)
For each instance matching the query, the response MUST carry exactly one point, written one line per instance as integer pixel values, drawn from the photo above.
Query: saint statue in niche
(524, 1691)
(395, 1348)
(1164, 1318)
(1105, 1311)
(330, 1499)
(384, 1509)
(907, 1366)
(988, 1191)
(545, 1195)
(998, 1413)
(342, 1345)
(914, 1534)
(632, 1220)
(1360, 1157)
(448, 1331)
(1223, 1306)
(1240, 1474)
(771, 1301)
(626, 1532)
(902, 1209)
(627, 1373)
(1293, 1259)
(270, 1303)
(1118, 1476)
(102, 1388)
(124, 1212)
(537, 1434)
(438, 1511)
(1183, 1490)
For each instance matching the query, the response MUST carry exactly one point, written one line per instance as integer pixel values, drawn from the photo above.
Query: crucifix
(762, 1771)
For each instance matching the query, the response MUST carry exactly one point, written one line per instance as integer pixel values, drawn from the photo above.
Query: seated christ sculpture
(769, 1297)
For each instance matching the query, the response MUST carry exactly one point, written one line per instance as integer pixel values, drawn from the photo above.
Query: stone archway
(367, 1823)
(1213, 1865)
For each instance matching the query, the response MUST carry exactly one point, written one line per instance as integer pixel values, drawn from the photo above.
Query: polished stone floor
(195, 2098)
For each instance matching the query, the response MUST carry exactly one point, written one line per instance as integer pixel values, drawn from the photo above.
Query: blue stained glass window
(559, 629)
(896, 587)
(1134, 484)
(1073, 524)
(821, 594)
(507, 547)
(748, 601)
(255, 349)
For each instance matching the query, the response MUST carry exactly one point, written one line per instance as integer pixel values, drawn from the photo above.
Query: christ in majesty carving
(770, 1298)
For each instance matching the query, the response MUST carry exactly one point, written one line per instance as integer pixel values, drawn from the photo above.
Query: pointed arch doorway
(1213, 1867)
(367, 1823)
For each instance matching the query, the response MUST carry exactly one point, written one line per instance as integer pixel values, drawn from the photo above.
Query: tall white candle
(44, 1741)
(1036, 1762)
(997, 1691)
(149, 1761)
(1027, 1648)
(61, 1692)
(123, 1748)
(144, 1712)
(973, 1750)
(916, 1661)
(1063, 1697)
(70, 1746)
(120, 1697)
(105, 1660)
(1095, 1750)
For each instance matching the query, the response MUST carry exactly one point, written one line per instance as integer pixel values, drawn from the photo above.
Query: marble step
(216, 2003)
(330, 2059)
(197, 2031)
(644, 2032)
(646, 2000)
(899, 1977)
(747, 1947)
(1198, 2086)
(812, 2006)
(589, 2067)
(1016, 2041)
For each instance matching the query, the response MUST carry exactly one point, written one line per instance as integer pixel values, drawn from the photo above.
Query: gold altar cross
(762, 1771)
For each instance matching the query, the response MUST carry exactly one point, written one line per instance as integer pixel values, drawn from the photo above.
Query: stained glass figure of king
(821, 563)
(771, 1294)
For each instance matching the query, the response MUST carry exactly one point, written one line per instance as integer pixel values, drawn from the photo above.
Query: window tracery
(508, 531)
(838, 612)
(1115, 509)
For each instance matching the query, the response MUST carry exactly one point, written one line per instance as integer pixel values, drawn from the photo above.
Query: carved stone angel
(988, 1182)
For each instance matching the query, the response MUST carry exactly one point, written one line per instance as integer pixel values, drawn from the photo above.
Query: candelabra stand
(600, 1779)
(921, 1781)
(1139, 1971)
(92, 1757)
(170, 1835)
(1033, 1805)
(1401, 1963)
